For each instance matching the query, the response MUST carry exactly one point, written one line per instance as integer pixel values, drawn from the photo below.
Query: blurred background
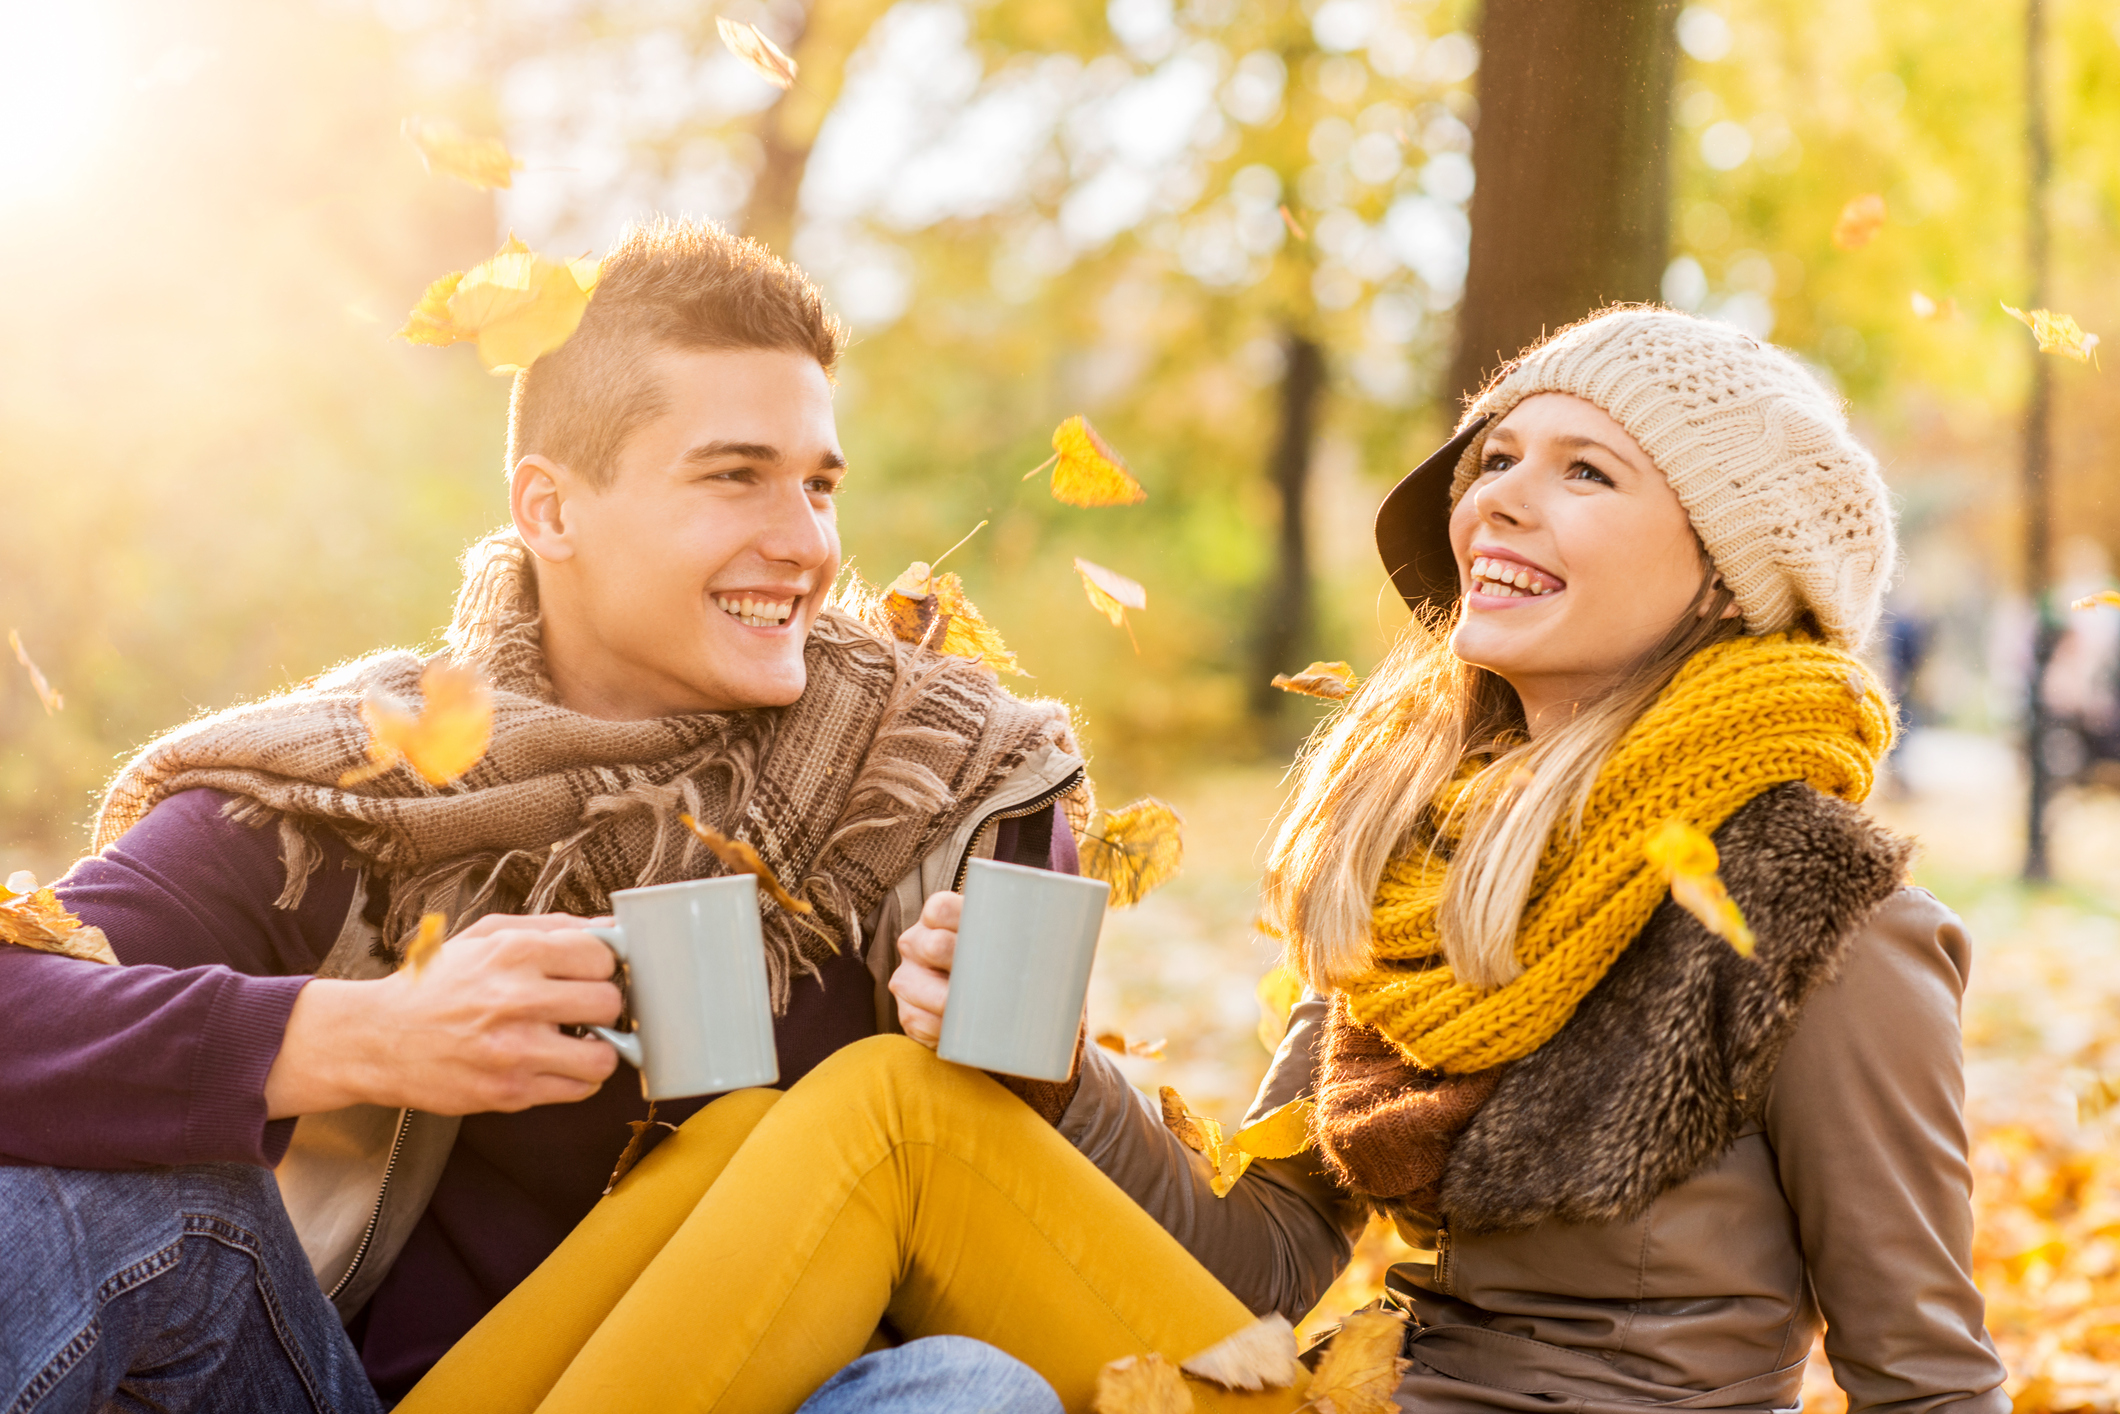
(1265, 245)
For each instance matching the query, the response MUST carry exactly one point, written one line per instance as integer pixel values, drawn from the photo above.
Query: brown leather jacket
(1846, 1202)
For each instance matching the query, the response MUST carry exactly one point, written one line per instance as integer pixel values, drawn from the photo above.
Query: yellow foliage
(1141, 1384)
(447, 150)
(2057, 334)
(1689, 862)
(763, 55)
(933, 611)
(1087, 471)
(1860, 221)
(743, 859)
(442, 740)
(1332, 681)
(1135, 849)
(1360, 1370)
(52, 701)
(425, 944)
(518, 305)
(1279, 1135)
(1117, 1044)
(34, 918)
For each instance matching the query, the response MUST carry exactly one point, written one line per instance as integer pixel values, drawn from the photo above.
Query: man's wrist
(318, 1067)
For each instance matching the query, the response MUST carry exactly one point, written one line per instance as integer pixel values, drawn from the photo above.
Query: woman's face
(1574, 553)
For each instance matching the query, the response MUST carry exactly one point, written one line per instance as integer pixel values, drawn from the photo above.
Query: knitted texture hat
(1789, 505)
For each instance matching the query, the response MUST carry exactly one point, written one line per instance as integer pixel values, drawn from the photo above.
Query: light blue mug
(1024, 949)
(696, 980)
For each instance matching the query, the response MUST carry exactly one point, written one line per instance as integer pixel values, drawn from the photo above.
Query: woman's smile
(1499, 579)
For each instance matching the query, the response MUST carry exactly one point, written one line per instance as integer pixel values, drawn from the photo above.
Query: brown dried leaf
(1260, 1356)
(1117, 1044)
(762, 54)
(1141, 1384)
(1331, 681)
(2058, 334)
(743, 859)
(1860, 221)
(447, 150)
(636, 1146)
(1135, 849)
(442, 740)
(31, 917)
(1360, 1370)
(425, 943)
(52, 701)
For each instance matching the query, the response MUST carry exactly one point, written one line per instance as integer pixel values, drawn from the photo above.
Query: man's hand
(477, 1029)
(922, 981)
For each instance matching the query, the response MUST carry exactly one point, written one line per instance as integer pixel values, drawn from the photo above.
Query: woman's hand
(922, 981)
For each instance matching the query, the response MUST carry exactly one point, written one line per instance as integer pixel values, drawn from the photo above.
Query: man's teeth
(1508, 580)
(758, 613)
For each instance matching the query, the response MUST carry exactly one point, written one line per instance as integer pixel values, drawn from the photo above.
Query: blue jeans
(185, 1291)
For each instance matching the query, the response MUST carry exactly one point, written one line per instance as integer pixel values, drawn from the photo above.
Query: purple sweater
(163, 1061)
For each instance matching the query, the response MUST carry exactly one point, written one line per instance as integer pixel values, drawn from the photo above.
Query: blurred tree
(1572, 210)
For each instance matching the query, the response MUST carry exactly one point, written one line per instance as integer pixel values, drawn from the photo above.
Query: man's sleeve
(163, 1060)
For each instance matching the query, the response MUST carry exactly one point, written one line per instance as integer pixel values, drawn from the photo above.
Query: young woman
(1643, 1167)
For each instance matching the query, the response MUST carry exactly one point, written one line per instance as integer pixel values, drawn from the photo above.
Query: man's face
(690, 582)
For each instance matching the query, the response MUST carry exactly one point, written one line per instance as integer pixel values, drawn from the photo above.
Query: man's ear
(538, 489)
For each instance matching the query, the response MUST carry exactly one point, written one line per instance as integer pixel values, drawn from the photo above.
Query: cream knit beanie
(1789, 505)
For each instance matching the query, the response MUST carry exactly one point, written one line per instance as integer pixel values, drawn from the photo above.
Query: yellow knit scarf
(1740, 718)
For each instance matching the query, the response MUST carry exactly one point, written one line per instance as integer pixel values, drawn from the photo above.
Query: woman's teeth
(758, 613)
(1506, 579)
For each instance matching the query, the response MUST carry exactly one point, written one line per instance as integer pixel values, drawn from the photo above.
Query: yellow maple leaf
(1332, 681)
(52, 701)
(743, 859)
(764, 56)
(1117, 1044)
(2110, 598)
(1278, 991)
(443, 739)
(1112, 594)
(1282, 1134)
(31, 917)
(518, 305)
(447, 150)
(1135, 849)
(1360, 1370)
(1141, 1384)
(1086, 470)
(1689, 864)
(2057, 334)
(1860, 221)
(425, 943)
(1278, 1135)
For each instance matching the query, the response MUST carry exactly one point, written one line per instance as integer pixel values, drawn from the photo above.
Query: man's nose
(796, 532)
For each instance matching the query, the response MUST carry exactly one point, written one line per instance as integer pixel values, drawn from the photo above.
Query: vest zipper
(375, 1218)
(1442, 1260)
(1014, 812)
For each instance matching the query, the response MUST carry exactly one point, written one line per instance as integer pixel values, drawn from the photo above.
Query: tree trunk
(2038, 437)
(1285, 607)
(1572, 151)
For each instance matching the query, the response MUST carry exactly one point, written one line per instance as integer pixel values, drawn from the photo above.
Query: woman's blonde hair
(1368, 779)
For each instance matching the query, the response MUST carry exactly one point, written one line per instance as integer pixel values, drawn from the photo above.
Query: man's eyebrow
(832, 461)
(749, 451)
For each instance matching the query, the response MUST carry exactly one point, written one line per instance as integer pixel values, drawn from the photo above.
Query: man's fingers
(943, 910)
(934, 948)
(924, 1027)
(564, 1003)
(527, 922)
(920, 988)
(568, 953)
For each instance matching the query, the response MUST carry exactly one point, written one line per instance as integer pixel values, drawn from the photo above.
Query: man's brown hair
(666, 284)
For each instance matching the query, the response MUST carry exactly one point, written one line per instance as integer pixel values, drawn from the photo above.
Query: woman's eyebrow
(1577, 440)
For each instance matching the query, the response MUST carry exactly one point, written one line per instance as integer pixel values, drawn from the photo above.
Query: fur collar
(1670, 1056)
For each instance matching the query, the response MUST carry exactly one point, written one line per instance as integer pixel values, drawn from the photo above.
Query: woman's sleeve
(1866, 1117)
(1285, 1230)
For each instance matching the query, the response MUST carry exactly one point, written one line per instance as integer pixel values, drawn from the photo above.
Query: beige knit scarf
(842, 793)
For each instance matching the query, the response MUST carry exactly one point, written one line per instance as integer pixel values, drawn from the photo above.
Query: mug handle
(626, 1043)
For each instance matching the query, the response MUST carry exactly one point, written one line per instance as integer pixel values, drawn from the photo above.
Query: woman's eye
(1495, 463)
(1583, 471)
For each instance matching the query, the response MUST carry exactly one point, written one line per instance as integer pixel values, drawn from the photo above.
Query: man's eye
(823, 486)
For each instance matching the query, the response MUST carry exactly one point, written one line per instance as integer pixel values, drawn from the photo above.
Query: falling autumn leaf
(442, 740)
(1117, 1044)
(34, 918)
(1141, 1384)
(762, 54)
(1332, 681)
(518, 306)
(1086, 471)
(1279, 1135)
(2057, 334)
(425, 944)
(931, 610)
(52, 701)
(447, 150)
(1689, 863)
(636, 1146)
(1926, 308)
(1860, 221)
(743, 859)
(1135, 849)
(1111, 594)
(2110, 598)
(1360, 1370)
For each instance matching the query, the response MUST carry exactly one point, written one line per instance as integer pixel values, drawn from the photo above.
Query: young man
(655, 630)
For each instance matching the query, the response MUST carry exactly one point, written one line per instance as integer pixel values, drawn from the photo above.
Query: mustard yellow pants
(757, 1249)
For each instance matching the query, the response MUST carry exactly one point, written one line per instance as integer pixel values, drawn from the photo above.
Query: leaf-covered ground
(2042, 1025)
